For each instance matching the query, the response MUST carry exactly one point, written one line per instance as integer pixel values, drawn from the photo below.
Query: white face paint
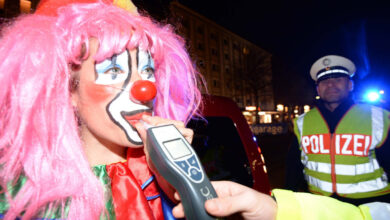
(146, 66)
(118, 70)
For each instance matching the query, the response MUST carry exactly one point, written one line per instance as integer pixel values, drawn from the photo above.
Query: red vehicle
(226, 145)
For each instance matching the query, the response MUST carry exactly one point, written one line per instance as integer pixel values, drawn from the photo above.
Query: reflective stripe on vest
(344, 188)
(342, 169)
(315, 151)
(377, 125)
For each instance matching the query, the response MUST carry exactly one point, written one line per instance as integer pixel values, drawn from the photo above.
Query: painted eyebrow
(113, 58)
(149, 58)
(113, 62)
(137, 56)
(129, 62)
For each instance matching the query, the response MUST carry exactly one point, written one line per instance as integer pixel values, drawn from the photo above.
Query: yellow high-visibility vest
(344, 162)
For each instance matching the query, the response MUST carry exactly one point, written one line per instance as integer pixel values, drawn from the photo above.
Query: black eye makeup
(113, 70)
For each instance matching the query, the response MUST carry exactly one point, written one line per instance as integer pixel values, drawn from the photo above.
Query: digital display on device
(177, 162)
(177, 148)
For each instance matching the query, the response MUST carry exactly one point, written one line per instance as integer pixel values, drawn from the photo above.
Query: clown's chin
(133, 137)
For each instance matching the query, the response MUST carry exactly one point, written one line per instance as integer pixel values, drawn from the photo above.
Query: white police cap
(332, 65)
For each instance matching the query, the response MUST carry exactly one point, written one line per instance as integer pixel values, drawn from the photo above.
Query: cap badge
(326, 62)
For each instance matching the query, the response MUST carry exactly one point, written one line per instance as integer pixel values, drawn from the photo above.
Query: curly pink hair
(38, 130)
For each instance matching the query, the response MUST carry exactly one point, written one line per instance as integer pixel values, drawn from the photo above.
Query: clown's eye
(111, 75)
(113, 70)
(146, 65)
(148, 73)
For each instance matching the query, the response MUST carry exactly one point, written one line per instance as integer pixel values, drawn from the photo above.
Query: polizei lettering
(344, 144)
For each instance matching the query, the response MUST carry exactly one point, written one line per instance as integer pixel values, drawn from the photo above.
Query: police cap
(332, 66)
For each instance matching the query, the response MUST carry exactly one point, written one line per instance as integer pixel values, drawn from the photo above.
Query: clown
(79, 80)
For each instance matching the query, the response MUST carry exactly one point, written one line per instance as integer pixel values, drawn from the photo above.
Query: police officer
(341, 148)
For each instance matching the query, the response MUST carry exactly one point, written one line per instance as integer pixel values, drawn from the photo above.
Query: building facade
(232, 66)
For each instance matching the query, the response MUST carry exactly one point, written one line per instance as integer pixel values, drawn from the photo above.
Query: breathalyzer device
(177, 162)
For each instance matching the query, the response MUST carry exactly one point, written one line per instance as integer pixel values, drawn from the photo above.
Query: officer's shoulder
(301, 116)
(311, 111)
(370, 107)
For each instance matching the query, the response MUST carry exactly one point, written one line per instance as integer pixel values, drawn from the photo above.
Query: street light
(372, 96)
(250, 108)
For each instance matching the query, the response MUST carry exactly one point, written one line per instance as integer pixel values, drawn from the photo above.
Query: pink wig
(38, 128)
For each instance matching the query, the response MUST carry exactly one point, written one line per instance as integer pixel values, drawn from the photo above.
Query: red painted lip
(132, 119)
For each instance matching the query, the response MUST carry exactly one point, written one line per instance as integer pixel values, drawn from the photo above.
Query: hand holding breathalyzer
(234, 198)
(173, 157)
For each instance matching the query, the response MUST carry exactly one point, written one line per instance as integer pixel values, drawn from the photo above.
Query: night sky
(297, 33)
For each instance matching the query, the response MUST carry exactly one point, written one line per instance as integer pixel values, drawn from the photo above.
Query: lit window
(25, 6)
(267, 118)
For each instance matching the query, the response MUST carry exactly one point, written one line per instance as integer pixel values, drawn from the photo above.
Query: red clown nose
(143, 91)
